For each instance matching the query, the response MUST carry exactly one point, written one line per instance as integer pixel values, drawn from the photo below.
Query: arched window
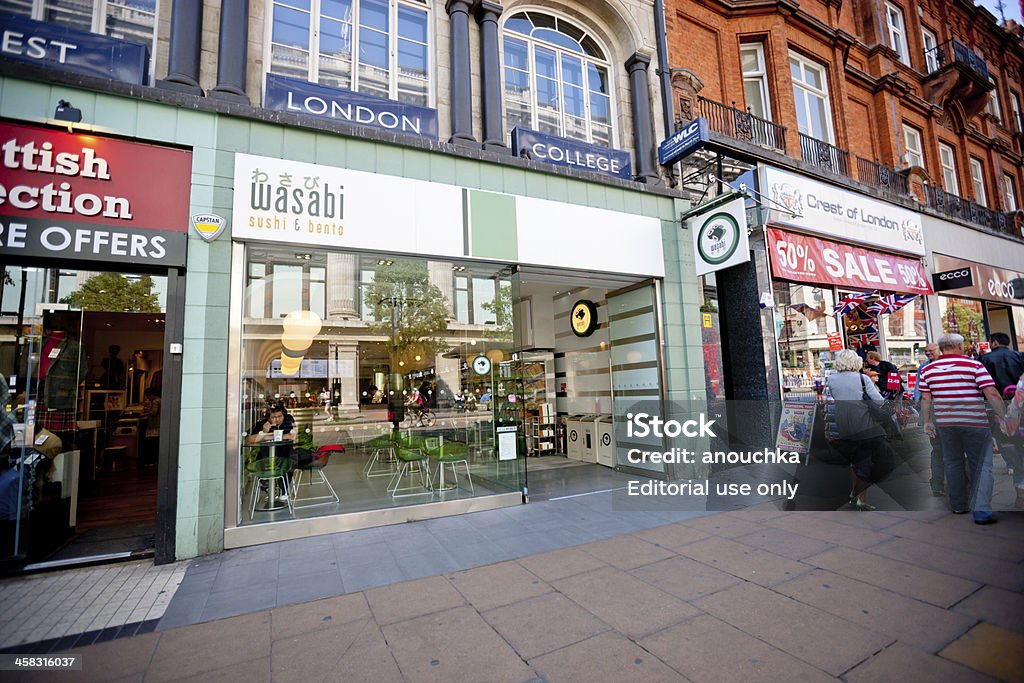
(556, 79)
(376, 47)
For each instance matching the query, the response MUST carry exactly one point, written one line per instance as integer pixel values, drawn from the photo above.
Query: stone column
(345, 371)
(186, 37)
(461, 74)
(440, 275)
(342, 286)
(646, 167)
(487, 14)
(232, 51)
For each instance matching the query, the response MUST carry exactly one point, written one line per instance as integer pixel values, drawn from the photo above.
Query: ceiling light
(385, 262)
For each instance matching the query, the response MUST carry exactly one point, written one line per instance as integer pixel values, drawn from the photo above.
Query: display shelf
(541, 431)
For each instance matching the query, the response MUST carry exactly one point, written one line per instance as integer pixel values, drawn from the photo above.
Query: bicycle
(418, 417)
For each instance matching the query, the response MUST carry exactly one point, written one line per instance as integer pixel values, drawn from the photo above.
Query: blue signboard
(303, 97)
(683, 142)
(69, 49)
(572, 153)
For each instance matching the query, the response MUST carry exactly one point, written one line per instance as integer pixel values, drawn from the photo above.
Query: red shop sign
(835, 341)
(809, 259)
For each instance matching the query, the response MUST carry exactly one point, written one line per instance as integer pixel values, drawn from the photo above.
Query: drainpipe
(665, 73)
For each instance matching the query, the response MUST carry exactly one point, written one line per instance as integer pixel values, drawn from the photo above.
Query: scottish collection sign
(683, 142)
(302, 97)
(69, 49)
(571, 153)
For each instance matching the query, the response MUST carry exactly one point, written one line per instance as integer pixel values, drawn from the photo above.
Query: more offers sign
(720, 236)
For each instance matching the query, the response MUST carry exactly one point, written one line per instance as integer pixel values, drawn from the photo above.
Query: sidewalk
(736, 596)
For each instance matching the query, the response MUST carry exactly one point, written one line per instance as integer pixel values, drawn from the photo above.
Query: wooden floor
(125, 497)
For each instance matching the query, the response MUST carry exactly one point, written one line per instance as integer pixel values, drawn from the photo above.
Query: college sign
(302, 97)
(807, 259)
(68, 49)
(89, 198)
(571, 153)
(828, 210)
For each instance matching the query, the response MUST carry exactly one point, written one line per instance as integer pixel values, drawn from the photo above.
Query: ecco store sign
(89, 198)
(836, 213)
(982, 281)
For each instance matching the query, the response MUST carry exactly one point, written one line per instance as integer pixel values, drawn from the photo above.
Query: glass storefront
(404, 363)
(976, 320)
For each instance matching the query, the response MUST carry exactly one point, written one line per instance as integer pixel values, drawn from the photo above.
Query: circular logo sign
(718, 239)
(606, 439)
(583, 318)
(482, 365)
(572, 435)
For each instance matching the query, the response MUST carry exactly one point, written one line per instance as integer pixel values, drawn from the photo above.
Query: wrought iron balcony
(741, 125)
(965, 209)
(823, 155)
(881, 176)
(954, 51)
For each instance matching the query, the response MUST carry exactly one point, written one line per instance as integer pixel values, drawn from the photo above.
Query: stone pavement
(755, 595)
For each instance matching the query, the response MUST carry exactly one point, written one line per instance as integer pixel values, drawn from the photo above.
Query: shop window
(947, 160)
(810, 93)
(978, 182)
(376, 47)
(133, 20)
(556, 79)
(963, 317)
(897, 31)
(931, 57)
(1009, 193)
(807, 318)
(274, 289)
(912, 140)
(755, 80)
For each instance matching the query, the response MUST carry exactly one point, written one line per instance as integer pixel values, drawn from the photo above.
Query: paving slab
(685, 578)
(975, 567)
(355, 651)
(990, 649)
(454, 645)
(784, 543)
(560, 564)
(607, 657)
(826, 529)
(629, 605)
(543, 624)
(497, 584)
(900, 577)
(901, 662)
(189, 652)
(294, 620)
(708, 650)
(627, 552)
(966, 537)
(997, 606)
(726, 524)
(672, 535)
(817, 637)
(744, 561)
(920, 624)
(402, 601)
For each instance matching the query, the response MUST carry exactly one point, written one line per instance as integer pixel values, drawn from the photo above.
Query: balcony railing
(965, 209)
(823, 155)
(881, 176)
(954, 51)
(741, 125)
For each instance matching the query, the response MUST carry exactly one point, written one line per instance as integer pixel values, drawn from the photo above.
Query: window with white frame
(810, 93)
(993, 100)
(912, 141)
(375, 47)
(1009, 193)
(755, 80)
(1017, 123)
(556, 79)
(931, 52)
(947, 160)
(133, 20)
(978, 182)
(897, 31)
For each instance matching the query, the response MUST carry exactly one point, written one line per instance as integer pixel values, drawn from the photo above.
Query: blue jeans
(974, 444)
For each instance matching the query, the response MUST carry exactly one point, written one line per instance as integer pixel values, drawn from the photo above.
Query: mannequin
(62, 365)
(113, 369)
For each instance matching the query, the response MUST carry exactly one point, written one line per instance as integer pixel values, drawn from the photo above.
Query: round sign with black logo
(718, 239)
(481, 365)
(583, 318)
(572, 435)
(606, 439)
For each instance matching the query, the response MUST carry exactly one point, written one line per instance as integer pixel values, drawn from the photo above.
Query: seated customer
(276, 418)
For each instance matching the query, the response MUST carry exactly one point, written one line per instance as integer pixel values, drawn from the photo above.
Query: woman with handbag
(860, 434)
(1013, 427)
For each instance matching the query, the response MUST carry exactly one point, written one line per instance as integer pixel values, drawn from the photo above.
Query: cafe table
(274, 450)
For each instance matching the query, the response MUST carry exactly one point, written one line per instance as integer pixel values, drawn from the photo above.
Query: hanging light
(302, 323)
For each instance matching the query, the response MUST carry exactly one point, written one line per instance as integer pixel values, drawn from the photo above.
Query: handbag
(875, 411)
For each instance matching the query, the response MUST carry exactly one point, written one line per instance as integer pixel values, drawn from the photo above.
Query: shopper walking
(938, 478)
(1012, 430)
(954, 389)
(886, 375)
(1002, 362)
(860, 435)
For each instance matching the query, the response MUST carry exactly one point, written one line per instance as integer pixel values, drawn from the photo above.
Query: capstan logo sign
(91, 198)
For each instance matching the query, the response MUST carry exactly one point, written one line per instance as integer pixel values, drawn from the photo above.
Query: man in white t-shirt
(954, 389)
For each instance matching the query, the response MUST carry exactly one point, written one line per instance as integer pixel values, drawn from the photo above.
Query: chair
(128, 437)
(449, 453)
(320, 459)
(270, 470)
(407, 458)
(383, 452)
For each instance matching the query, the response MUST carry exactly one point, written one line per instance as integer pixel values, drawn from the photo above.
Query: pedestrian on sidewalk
(860, 435)
(938, 476)
(954, 389)
(1012, 429)
(1002, 362)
